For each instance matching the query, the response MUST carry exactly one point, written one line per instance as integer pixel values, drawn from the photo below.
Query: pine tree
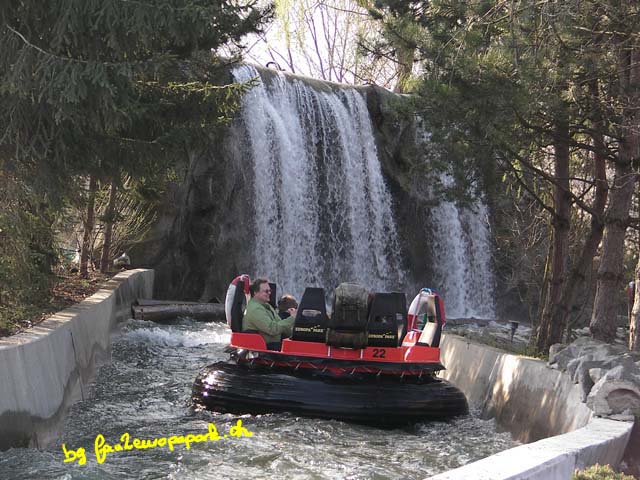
(541, 87)
(99, 88)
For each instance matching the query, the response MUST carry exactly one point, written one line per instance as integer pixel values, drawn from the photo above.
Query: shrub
(600, 472)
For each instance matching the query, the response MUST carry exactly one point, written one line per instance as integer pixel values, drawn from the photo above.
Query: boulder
(123, 261)
(617, 393)
(608, 376)
(553, 353)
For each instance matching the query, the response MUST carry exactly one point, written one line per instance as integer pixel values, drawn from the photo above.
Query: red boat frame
(412, 357)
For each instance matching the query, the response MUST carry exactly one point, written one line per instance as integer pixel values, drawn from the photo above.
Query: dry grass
(67, 289)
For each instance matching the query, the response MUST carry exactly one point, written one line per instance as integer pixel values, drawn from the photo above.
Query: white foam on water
(176, 337)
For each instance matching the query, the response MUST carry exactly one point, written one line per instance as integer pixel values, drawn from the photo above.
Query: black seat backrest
(350, 308)
(432, 328)
(387, 319)
(311, 320)
(237, 308)
(273, 298)
(348, 323)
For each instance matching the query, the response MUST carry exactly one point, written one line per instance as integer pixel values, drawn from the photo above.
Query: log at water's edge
(146, 302)
(206, 312)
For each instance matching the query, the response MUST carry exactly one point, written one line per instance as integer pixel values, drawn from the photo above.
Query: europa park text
(102, 448)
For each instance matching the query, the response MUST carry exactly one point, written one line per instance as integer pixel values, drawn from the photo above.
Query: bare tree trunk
(209, 312)
(610, 279)
(603, 319)
(109, 218)
(577, 281)
(88, 227)
(634, 318)
(548, 333)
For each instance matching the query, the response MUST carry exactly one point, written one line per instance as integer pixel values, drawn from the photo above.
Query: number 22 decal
(379, 353)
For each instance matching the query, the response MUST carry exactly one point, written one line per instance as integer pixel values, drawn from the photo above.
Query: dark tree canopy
(101, 89)
(87, 84)
(541, 90)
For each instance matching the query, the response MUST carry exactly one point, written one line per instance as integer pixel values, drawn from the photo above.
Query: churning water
(145, 391)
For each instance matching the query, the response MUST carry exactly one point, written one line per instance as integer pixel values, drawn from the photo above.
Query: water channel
(145, 391)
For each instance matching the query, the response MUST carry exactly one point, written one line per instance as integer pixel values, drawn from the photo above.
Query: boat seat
(311, 320)
(432, 327)
(387, 319)
(273, 297)
(347, 327)
(238, 307)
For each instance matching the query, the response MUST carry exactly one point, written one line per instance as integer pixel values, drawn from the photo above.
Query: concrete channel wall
(532, 402)
(47, 368)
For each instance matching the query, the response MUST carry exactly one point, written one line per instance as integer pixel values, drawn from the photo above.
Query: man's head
(286, 302)
(260, 290)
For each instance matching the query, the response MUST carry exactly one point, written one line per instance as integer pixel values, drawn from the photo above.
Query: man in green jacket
(261, 316)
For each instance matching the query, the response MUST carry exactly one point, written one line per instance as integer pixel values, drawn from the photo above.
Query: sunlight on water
(145, 392)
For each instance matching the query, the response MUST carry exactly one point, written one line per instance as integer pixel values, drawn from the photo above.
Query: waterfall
(323, 211)
(461, 245)
(461, 249)
(323, 214)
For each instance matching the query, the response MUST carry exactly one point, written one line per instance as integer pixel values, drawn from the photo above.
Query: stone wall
(532, 401)
(47, 368)
(525, 397)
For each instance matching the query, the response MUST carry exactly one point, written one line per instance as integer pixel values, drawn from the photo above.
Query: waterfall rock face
(314, 185)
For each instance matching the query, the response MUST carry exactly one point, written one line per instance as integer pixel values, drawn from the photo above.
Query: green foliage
(600, 472)
(93, 86)
(26, 251)
(497, 80)
(109, 88)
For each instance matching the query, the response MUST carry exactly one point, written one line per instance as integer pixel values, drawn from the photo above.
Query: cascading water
(461, 240)
(323, 211)
(461, 244)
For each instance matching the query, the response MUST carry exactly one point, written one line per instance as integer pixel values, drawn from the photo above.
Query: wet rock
(596, 374)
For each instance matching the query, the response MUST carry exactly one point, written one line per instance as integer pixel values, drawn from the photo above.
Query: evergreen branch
(554, 181)
(206, 87)
(378, 53)
(81, 61)
(150, 6)
(520, 180)
(44, 52)
(136, 141)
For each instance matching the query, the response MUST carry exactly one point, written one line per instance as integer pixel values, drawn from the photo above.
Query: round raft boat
(371, 362)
